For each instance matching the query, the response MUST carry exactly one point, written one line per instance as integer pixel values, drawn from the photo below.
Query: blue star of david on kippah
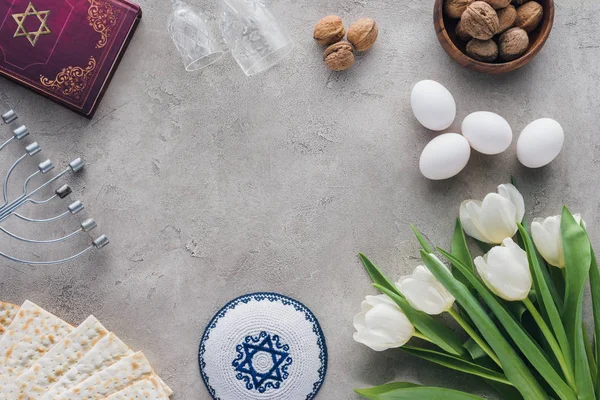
(262, 362)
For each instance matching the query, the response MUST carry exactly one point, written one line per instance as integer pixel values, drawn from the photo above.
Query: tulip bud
(548, 240)
(381, 324)
(505, 271)
(494, 219)
(424, 292)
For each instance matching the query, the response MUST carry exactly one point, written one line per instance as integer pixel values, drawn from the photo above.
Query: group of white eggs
(488, 133)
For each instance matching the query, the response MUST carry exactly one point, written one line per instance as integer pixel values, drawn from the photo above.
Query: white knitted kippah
(263, 346)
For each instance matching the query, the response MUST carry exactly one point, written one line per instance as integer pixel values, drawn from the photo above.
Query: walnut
(483, 50)
(339, 56)
(363, 33)
(498, 4)
(529, 16)
(513, 43)
(480, 20)
(461, 33)
(507, 17)
(328, 30)
(455, 8)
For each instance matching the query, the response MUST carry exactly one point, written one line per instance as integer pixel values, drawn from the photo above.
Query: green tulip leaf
(514, 368)
(555, 280)
(552, 275)
(376, 275)
(578, 259)
(461, 251)
(371, 393)
(589, 352)
(411, 391)
(593, 354)
(550, 282)
(595, 289)
(474, 349)
(438, 333)
(546, 301)
(422, 241)
(506, 392)
(457, 364)
(425, 393)
(557, 277)
(407, 390)
(517, 309)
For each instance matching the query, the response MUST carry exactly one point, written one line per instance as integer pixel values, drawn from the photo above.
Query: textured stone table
(211, 185)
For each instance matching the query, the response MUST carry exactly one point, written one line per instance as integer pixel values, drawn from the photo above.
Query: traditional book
(66, 50)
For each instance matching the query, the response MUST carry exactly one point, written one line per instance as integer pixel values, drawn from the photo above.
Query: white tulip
(494, 219)
(505, 271)
(381, 324)
(548, 240)
(424, 292)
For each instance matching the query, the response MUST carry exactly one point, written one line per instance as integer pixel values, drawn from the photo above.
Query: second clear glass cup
(256, 39)
(192, 36)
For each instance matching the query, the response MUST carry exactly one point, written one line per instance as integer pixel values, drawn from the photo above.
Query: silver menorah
(12, 208)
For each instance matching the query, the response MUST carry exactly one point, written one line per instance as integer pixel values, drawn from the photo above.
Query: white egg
(488, 133)
(445, 156)
(433, 105)
(540, 143)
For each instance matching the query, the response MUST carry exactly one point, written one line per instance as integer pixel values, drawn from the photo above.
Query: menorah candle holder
(10, 207)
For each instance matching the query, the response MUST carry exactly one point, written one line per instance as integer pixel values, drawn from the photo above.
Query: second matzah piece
(32, 333)
(111, 380)
(48, 369)
(8, 312)
(105, 353)
(147, 389)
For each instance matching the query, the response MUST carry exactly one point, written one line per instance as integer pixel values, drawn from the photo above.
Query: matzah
(105, 353)
(61, 358)
(8, 312)
(30, 335)
(165, 387)
(147, 389)
(113, 379)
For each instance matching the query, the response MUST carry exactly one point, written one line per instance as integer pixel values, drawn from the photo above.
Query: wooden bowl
(445, 28)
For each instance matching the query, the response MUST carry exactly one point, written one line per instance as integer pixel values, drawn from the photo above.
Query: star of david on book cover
(21, 20)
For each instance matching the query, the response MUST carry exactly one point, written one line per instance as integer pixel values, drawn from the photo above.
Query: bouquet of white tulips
(521, 305)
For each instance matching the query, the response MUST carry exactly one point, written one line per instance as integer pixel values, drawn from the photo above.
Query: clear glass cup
(192, 36)
(256, 40)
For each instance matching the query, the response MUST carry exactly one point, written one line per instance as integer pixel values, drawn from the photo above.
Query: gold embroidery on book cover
(71, 81)
(103, 18)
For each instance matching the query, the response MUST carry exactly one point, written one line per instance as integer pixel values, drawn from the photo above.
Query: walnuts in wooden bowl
(495, 31)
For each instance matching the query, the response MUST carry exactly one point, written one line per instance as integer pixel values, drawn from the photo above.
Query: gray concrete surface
(211, 184)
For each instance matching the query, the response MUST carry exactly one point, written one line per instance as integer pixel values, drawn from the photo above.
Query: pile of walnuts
(339, 54)
(496, 30)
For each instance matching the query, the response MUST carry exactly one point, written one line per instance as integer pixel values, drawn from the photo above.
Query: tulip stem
(419, 335)
(550, 339)
(589, 352)
(474, 335)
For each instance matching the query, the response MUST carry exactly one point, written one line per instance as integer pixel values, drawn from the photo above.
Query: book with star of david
(66, 50)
